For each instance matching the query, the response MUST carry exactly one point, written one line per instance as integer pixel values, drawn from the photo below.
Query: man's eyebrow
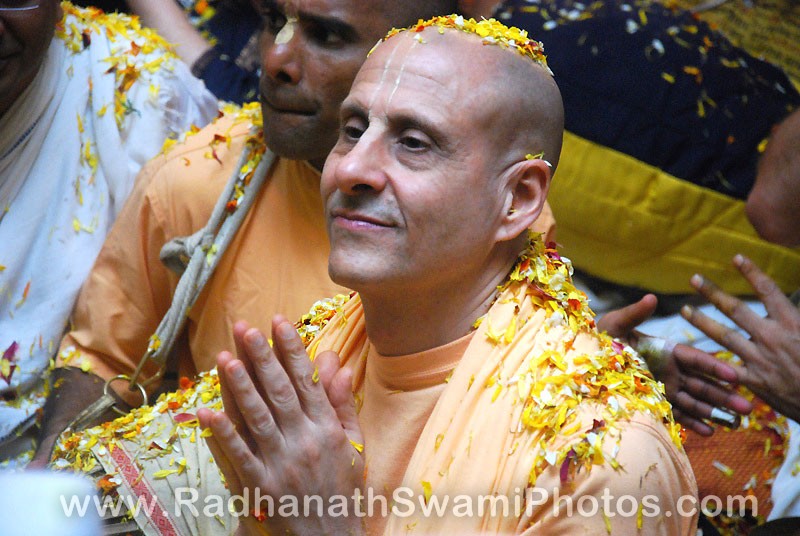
(352, 107)
(331, 23)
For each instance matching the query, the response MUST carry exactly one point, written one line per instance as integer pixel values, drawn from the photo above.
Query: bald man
(310, 52)
(467, 368)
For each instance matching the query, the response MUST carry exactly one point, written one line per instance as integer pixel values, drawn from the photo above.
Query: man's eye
(324, 36)
(353, 132)
(353, 128)
(414, 143)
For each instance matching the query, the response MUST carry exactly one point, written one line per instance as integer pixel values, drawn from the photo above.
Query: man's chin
(298, 138)
(357, 272)
(343, 271)
(293, 138)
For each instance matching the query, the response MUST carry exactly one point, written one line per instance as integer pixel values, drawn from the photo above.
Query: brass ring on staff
(128, 379)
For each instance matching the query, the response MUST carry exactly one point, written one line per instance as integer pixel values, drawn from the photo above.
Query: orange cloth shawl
(539, 399)
(538, 390)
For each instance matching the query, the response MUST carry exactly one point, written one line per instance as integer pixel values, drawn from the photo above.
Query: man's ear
(527, 183)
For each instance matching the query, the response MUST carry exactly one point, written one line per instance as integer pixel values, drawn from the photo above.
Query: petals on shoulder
(231, 123)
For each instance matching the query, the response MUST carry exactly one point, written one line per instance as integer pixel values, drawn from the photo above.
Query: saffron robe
(538, 399)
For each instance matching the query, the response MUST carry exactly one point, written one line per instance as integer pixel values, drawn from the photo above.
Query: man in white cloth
(85, 100)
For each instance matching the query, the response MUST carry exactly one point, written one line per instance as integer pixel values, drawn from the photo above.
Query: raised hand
(771, 355)
(696, 383)
(289, 428)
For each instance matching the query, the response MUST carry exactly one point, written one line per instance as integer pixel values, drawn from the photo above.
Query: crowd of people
(182, 181)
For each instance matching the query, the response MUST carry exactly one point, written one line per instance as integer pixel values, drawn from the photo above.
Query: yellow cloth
(654, 231)
(277, 263)
(512, 411)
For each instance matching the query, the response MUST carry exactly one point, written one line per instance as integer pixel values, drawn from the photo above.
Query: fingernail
(256, 338)
(285, 331)
(696, 280)
(738, 260)
(237, 372)
(686, 311)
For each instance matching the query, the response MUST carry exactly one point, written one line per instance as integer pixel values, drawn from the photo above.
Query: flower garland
(318, 317)
(558, 383)
(73, 451)
(255, 147)
(491, 32)
(555, 385)
(134, 49)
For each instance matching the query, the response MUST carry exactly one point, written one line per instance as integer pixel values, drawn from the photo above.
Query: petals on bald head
(505, 90)
(490, 31)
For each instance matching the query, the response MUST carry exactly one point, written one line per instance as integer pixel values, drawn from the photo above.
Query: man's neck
(408, 321)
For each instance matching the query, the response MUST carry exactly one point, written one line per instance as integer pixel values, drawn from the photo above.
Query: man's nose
(363, 168)
(282, 55)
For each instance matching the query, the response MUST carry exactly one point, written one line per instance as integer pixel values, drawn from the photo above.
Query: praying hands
(289, 428)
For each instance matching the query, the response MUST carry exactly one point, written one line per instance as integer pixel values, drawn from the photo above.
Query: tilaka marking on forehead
(287, 32)
(386, 66)
(400, 72)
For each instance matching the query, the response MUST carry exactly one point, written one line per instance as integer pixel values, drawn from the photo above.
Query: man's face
(310, 53)
(410, 189)
(24, 39)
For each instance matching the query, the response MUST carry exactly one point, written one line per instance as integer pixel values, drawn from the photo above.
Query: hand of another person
(771, 355)
(288, 429)
(690, 376)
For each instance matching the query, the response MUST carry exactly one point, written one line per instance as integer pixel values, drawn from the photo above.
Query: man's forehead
(347, 11)
(446, 59)
(397, 78)
(407, 74)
